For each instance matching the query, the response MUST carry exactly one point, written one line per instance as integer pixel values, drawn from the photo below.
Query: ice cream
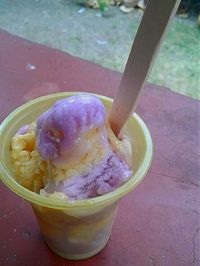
(70, 151)
(67, 153)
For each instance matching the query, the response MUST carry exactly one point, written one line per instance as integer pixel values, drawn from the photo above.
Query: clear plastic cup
(79, 229)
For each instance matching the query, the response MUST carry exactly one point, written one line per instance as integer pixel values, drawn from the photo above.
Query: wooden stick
(147, 42)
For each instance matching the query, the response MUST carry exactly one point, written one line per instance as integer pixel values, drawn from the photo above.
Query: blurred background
(102, 31)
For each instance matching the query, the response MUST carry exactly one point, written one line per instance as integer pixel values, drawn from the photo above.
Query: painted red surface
(159, 222)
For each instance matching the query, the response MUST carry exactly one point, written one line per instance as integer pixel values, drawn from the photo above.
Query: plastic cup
(79, 229)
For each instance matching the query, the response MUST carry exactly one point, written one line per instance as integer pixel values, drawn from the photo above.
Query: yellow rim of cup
(60, 204)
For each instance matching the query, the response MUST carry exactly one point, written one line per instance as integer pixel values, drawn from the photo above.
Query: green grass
(177, 66)
(58, 24)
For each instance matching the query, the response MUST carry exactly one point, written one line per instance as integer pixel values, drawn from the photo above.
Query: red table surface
(158, 222)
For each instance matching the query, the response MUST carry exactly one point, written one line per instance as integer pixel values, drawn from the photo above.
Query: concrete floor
(65, 25)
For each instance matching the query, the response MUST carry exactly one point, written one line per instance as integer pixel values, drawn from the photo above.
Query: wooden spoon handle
(147, 42)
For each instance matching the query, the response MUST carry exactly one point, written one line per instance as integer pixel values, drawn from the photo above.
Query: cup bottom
(78, 256)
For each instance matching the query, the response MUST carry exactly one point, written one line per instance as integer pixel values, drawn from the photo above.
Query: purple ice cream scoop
(108, 175)
(61, 126)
